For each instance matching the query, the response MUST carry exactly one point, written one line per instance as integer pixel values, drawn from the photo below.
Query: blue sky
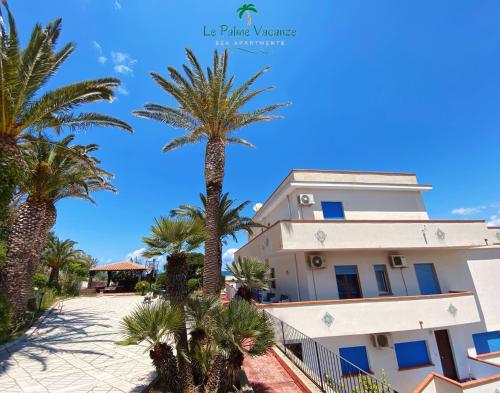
(385, 86)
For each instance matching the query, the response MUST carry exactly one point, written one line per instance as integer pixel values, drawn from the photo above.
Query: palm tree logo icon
(246, 8)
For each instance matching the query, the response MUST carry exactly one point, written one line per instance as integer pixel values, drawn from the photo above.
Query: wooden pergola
(123, 266)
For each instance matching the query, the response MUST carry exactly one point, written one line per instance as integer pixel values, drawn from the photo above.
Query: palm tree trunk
(11, 163)
(177, 293)
(231, 372)
(32, 219)
(214, 375)
(54, 277)
(166, 366)
(219, 259)
(214, 176)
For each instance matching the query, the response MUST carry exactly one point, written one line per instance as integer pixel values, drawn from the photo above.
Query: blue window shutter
(356, 356)
(348, 269)
(332, 210)
(426, 277)
(412, 354)
(486, 342)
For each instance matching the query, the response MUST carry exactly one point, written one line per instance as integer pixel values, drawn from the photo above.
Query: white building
(382, 267)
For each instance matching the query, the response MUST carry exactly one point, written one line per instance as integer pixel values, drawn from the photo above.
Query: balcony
(327, 318)
(303, 235)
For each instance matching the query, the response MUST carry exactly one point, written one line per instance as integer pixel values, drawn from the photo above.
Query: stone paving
(74, 350)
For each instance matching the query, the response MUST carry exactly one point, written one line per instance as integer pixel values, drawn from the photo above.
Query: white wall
(364, 317)
(484, 265)
(365, 205)
(451, 269)
(402, 381)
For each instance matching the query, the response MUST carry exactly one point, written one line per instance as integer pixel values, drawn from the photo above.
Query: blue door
(427, 280)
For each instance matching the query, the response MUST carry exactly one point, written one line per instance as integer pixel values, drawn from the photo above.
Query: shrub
(141, 287)
(161, 280)
(70, 284)
(40, 281)
(5, 316)
(49, 298)
(193, 284)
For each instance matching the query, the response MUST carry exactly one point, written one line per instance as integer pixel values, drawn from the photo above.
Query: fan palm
(250, 273)
(57, 254)
(210, 108)
(230, 220)
(54, 171)
(220, 338)
(176, 238)
(158, 324)
(26, 106)
(241, 329)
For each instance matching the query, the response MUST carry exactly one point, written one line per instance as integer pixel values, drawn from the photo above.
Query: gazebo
(136, 269)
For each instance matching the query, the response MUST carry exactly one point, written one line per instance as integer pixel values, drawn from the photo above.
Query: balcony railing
(327, 370)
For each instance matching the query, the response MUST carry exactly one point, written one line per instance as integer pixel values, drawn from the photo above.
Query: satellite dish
(257, 207)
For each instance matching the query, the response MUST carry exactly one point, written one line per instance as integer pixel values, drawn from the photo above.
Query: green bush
(161, 280)
(40, 281)
(193, 284)
(5, 316)
(49, 298)
(70, 284)
(141, 287)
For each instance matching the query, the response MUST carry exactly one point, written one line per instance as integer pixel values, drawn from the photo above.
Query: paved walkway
(75, 351)
(267, 375)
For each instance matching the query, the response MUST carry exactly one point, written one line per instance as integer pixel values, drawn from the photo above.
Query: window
(383, 285)
(486, 342)
(332, 210)
(427, 280)
(355, 356)
(348, 282)
(412, 354)
(295, 348)
(273, 278)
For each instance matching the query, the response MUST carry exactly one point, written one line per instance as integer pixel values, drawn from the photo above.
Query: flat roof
(290, 178)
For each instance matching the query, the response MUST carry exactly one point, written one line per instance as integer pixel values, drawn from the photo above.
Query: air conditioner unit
(381, 340)
(316, 262)
(397, 261)
(306, 199)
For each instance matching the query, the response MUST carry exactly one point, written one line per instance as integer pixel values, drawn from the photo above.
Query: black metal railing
(327, 370)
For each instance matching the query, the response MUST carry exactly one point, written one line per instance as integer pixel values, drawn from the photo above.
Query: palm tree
(57, 254)
(176, 238)
(246, 8)
(27, 106)
(241, 329)
(220, 338)
(250, 273)
(209, 109)
(158, 324)
(54, 171)
(230, 220)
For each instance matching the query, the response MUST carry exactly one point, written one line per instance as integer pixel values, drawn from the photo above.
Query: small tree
(250, 273)
(141, 287)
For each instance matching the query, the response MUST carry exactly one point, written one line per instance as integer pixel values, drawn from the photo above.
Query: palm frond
(209, 106)
(153, 323)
